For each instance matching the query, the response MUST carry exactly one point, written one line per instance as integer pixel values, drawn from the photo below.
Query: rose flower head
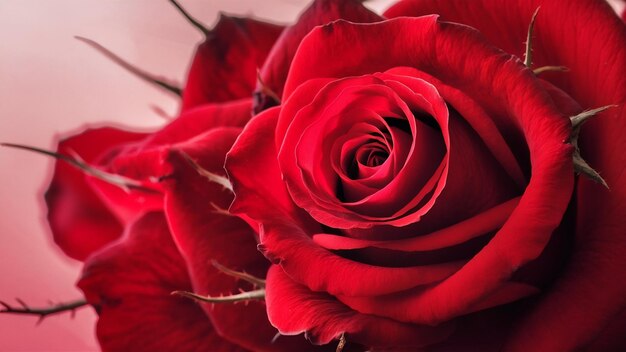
(418, 183)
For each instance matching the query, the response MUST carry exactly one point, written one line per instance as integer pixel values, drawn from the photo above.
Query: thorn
(543, 69)
(41, 318)
(22, 303)
(161, 82)
(246, 296)
(221, 180)
(239, 275)
(528, 55)
(265, 89)
(191, 20)
(580, 119)
(123, 182)
(275, 337)
(220, 210)
(342, 343)
(160, 112)
(580, 165)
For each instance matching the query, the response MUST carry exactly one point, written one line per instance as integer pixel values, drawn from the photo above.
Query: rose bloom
(414, 183)
(142, 215)
(405, 183)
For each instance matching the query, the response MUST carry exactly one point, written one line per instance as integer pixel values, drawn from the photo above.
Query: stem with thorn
(580, 165)
(239, 297)
(161, 82)
(239, 275)
(528, 55)
(221, 180)
(342, 343)
(265, 89)
(42, 312)
(191, 20)
(543, 69)
(124, 183)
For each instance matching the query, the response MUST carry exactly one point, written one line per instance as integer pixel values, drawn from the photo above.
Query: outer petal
(129, 284)
(204, 234)
(80, 222)
(274, 72)
(225, 65)
(294, 309)
(255, 150)
(200, 119)
(145, 162)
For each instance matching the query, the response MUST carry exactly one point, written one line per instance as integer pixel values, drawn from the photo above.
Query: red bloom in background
(149, 221)
(161, 223)
(418, 185)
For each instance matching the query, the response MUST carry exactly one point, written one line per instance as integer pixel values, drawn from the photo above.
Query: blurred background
(53, 85)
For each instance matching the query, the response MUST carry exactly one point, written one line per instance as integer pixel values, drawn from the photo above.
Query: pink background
(52, 84)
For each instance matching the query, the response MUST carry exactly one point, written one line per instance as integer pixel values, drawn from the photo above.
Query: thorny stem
(124, 183)
(528, 55)
(342, 343)
(543, 69)
(221, 180)
(160, 112)
(161, 82)
(191, 20)
(580, 119)
(240, 297)
(580, 165)
(219, 210)
(42, 312)
(239, 275)
(265, 89)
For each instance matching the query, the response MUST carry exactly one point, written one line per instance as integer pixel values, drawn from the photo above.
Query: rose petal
(255, 150)
(294, 309)
(320, 12)
(323, 271)
(145, 161)
(478, 225)
(225, 65)
(80, 222)
(411, 307)
(129, 283)
(204, 235)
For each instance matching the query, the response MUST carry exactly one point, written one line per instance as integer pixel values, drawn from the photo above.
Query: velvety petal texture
(205, 233)
(225, 65)
(129, 283)
(591, 291)
(366, 143)
(80, 221)
(175, 228)
(320, 12)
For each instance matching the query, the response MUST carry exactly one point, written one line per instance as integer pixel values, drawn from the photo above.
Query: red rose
(416, 186)
(143, 214)
(147, 223)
